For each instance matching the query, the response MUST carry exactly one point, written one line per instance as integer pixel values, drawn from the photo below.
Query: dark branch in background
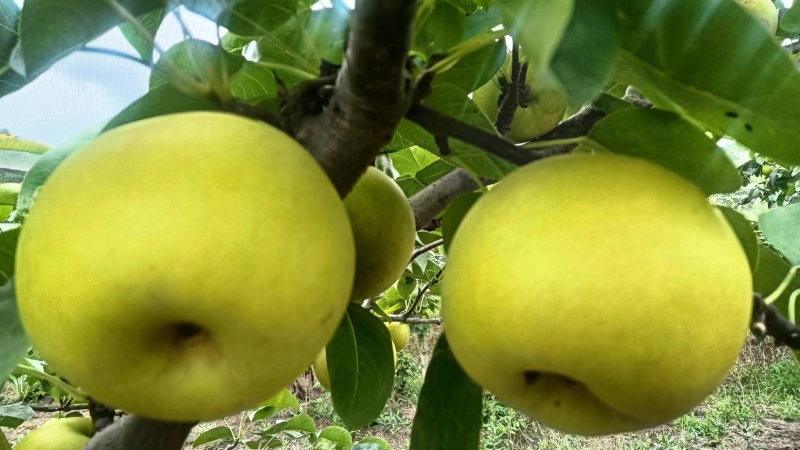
(412, 320)
(426, 248)
(767, 321)
(102, 416)
(139, 433)
(109, 52)
(439, 124)
(371, 95)
(509, 99)
(64, 408)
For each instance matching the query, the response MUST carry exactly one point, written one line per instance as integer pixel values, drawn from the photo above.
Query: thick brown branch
(371, 94)
(137, 433)
(435, 197)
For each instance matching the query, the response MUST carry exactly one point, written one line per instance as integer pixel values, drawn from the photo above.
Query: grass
(764, 384)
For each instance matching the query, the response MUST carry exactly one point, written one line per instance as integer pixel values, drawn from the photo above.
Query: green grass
(765, 384)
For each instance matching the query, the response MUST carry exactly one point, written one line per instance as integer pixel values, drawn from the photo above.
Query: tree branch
(137, 433)
(426, 248)
(435, 197)
(412, 320)
(371, 94)
(767, 321)
(421, 293)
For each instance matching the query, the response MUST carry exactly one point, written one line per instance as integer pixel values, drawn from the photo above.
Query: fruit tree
(533, 178)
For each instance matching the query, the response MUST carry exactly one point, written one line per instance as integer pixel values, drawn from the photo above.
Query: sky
(85, 89)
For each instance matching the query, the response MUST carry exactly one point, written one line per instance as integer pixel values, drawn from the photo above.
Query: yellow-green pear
(71, 433)
(384, 230)
(764, 11)
(320, 367)
(596, 293)
(178, 253)
(544, 110)
(400, 334)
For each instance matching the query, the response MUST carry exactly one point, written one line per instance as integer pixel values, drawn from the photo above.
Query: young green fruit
(163, 309)
(384, 230)
(613, 304)
(71, 433)
(400, 334)
(764, 11)
(320, 367)
(544, 110)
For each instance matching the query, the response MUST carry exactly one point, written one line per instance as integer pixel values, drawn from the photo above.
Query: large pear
(185, 267)
(71, 433)
(596, 293)
(384, 230)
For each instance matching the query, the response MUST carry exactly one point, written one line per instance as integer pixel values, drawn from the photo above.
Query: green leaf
(791, 19)
(253, 17)
(8, 248)
(434, 171)
(200, 59)
(361, 367)
(45, 165)
(213, 435)
(12, 416)
(476, 69)
(744, 231)
(304, 40)
(9, 18)
(780, 227)
(665, 138)
(254, 82)
(160, 101)
(392, 302)
(52, 29)
(449, 410)
(411, 160)
(439, 28)
(233, 43)
(338, 436)
(586, 55)
(698, 59)
(451, 100)
(142, 43)
(22, 145)
(537, 26)
(770, 272)
(274, 405)
(4, 445)
(14, 343)
(301, 423)
(370, 446)
(373, 441)
(454, 214)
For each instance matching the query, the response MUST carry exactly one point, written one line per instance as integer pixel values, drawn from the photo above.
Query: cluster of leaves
(257, 431)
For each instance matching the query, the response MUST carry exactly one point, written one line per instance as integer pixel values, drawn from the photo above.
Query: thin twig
(421, 293)
(412, 320)
(426, 248)
(109, 52)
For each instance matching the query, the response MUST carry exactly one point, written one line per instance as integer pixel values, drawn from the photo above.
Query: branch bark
(412, 320)
(137, 433)
(435, 197)
(371, 96)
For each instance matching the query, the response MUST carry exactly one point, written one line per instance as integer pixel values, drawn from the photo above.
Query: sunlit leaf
(665, 138)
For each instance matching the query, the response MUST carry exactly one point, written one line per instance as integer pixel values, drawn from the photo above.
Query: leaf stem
(52, 379)
(465, 48)
(566, 141)
(777, 293)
